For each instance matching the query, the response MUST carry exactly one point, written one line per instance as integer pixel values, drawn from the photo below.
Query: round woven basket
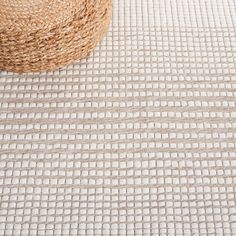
(44, 35)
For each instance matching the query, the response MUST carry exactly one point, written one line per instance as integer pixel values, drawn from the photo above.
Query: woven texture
(138, 139)
(45, 35)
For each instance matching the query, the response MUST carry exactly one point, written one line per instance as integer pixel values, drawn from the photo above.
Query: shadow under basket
(49, 34)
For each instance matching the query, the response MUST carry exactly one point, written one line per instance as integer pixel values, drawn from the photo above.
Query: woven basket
(44, 35)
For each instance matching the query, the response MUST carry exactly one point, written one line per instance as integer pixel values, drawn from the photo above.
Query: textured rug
(139, 139)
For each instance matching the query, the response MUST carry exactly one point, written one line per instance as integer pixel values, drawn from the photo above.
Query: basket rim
(16, 18)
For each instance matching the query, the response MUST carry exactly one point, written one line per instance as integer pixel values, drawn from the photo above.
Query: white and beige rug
(139, 139)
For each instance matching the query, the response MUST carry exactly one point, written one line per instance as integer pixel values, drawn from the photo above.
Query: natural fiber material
(49, 34)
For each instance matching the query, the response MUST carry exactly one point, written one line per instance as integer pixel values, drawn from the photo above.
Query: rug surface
(139, 139)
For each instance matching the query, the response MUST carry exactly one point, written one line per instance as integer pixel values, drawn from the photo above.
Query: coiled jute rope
(44, 35)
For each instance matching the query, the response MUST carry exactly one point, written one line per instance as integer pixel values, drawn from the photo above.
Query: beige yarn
(48, 34)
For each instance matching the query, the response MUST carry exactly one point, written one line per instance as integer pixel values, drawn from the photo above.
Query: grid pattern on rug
(139, 139)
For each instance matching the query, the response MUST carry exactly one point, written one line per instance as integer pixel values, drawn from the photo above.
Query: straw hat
(43, 35)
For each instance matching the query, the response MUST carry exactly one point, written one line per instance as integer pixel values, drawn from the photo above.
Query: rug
(138, 139)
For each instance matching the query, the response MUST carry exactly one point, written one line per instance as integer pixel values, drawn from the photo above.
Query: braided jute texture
(48, 34)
